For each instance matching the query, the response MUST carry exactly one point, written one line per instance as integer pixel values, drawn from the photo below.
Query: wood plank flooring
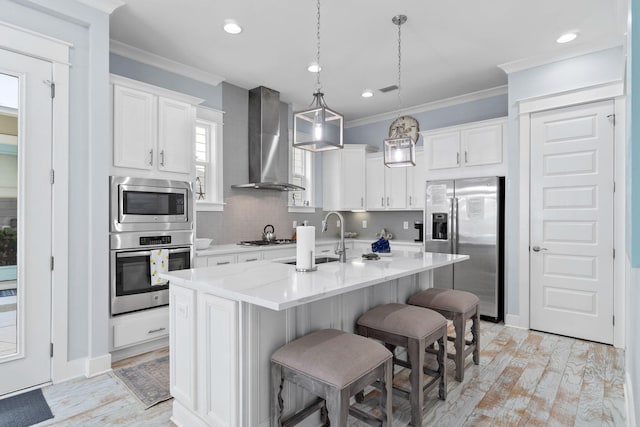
(525, 378)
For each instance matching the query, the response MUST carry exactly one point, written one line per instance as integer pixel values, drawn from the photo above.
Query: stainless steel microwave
(143, 204)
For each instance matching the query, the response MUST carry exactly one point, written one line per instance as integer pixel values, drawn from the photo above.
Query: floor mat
(148, 381)
(24, 409)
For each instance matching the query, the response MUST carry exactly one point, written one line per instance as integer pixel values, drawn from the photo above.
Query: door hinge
(53, 90)
(612, 119)
(52, 176)
(614, 320)
(614, 186)
(51, 349)
(614, 253)
(52, 263)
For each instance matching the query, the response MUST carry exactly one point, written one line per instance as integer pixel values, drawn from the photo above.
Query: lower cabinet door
(182, 342)
(135, 328)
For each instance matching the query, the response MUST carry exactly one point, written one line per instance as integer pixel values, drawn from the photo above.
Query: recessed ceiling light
(314, 67)
(367, 93)
(232, 27)
(566, 38)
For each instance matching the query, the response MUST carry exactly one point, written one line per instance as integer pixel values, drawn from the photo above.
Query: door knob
(538, 249)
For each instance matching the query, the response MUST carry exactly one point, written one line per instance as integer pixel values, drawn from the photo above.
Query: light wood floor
(525, 378)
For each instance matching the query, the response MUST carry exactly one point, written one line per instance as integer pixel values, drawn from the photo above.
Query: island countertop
(278, 286)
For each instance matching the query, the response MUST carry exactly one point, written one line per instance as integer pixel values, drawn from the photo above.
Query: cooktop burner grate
(265, 242)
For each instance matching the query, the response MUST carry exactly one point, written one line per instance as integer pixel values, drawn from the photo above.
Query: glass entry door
(25, 222)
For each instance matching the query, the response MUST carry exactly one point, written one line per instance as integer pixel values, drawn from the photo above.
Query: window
(301, 172)
(207, 186)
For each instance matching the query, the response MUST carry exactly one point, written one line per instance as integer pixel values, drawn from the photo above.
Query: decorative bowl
(203, 243)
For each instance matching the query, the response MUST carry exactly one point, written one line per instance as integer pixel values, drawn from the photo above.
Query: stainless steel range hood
(268, 157)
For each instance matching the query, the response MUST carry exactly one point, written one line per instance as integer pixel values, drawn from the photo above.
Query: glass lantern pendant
(399, 152)
(319, 128)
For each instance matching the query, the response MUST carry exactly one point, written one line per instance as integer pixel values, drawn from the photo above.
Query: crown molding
(107, 6)
(567, 53)
(163, 63)
(430, 106)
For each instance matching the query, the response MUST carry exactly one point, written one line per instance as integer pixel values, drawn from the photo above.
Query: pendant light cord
(399, 67)
(318, 86)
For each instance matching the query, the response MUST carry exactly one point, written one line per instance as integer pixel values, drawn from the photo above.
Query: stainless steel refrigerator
(466, 216)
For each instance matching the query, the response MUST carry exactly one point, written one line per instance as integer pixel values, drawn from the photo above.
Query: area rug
(148, 381)
(24, 409)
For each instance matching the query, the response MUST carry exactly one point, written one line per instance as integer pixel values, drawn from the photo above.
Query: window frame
(308, 179)
(213, 119)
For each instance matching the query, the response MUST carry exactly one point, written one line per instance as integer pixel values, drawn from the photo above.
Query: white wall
(582, 71)
(88, 30)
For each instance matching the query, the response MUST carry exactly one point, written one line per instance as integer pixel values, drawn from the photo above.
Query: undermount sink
(319, 260)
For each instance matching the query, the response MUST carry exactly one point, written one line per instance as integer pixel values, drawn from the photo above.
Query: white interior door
(571, 238)
(25, 222)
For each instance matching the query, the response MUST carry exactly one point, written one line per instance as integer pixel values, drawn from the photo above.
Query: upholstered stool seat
(458, 306)
(333, 365)
(415, 329)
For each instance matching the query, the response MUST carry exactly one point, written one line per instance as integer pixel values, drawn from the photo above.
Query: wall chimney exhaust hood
(268, 158)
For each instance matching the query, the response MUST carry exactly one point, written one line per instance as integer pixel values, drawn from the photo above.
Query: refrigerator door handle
(450, 227)
(455, 226)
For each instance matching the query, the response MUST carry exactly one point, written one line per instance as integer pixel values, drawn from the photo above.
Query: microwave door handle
(133, 254)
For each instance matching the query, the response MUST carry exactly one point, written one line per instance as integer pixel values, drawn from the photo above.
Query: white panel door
(572, 222)
(25, 303)
(443, 150)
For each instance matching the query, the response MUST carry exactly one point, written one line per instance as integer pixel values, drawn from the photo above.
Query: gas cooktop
(265, 242)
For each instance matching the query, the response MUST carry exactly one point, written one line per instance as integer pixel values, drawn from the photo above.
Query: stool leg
(386, 394)
(338, 407)
(475, 331)
(276, 389)
(458, 325)
(442, 365)
(416, 358)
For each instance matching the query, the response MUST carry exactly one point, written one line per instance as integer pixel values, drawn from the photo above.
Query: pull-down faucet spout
(341, 251)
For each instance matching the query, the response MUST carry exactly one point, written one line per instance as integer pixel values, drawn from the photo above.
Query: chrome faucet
(341, 251)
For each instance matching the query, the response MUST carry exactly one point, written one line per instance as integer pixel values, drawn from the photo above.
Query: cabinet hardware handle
(324, 251)
(410, 201)
(388, 204)
(251, 259)
(151, 157)
(222, 262)
(457, 158)
(153, 331)
(161, 157)
(382, 201)
(361, 202)
(466, 157)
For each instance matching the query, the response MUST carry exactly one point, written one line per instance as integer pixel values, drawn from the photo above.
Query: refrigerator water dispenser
(439, 226)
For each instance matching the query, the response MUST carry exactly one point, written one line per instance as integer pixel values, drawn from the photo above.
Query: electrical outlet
(405, 225)
(295, 224)
(364, 223)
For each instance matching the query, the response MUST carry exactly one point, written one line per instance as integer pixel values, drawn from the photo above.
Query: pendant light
(319, 128)
(400, 147)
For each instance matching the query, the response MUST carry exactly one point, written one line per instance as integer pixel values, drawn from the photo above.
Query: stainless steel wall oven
(149, 218)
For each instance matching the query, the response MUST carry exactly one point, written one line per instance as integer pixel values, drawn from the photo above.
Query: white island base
(225, 322)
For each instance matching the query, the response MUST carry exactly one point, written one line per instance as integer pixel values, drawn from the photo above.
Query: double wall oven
(149, 217)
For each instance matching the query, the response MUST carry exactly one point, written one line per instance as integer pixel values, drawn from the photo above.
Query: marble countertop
(277, 286)
(233, 248)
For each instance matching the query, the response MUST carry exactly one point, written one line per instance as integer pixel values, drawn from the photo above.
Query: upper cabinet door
(443, 150)
(134, 128)
(175, 136)
(416, 177)
(353, 173)
(482, 145)
(375, 183)
(395, 187)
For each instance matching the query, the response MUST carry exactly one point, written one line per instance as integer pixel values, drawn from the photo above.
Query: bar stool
(333, 365)
(458, 306)
(415, 329)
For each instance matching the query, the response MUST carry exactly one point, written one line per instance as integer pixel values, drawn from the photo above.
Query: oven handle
(148, 253)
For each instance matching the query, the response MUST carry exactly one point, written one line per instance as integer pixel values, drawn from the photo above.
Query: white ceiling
(449, 48)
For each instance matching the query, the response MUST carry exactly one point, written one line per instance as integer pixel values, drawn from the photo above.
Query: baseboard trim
(628, 393)
(97, 365)
(70, 370)
(514, 321)
(183, 417)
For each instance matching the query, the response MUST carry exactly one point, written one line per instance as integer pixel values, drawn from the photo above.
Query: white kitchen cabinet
(343, 176)
(249, 256)
(221, 260)
(279, 253)
(153, 130)
(473, 149)
(416, 177)
(139, 327)
(386, 187)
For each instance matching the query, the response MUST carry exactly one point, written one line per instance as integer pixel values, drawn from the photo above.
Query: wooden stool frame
(416, 349)
(332, 402)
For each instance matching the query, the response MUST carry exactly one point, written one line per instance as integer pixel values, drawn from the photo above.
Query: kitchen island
(226, 321)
